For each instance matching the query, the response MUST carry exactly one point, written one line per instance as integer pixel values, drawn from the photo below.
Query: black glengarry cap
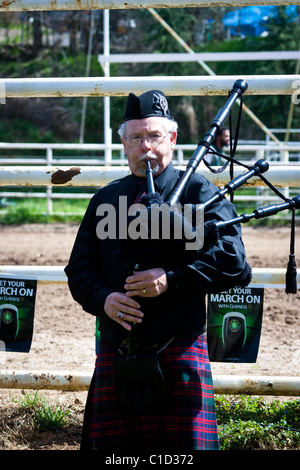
(150, 103)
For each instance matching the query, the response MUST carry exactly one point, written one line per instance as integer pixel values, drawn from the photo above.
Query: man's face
(225, 138)
(138, 149)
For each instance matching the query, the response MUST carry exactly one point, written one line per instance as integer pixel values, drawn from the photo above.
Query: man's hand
(149, 283)
(122, 309)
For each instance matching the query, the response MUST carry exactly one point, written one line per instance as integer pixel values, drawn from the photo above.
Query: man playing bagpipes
(152, 387)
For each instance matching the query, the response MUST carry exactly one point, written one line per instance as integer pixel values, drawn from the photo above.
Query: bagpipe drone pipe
(146, 253)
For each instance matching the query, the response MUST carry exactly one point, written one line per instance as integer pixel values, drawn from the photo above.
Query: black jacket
(96, 268)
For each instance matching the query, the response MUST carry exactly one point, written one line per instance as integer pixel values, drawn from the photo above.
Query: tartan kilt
(185, 421)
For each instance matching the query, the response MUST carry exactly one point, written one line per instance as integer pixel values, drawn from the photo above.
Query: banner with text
(234, 319)
(17, 303)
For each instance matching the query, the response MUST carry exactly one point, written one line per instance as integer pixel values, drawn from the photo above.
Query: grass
(39, 422)
(45, 414)
(253, 423)
(244, 423)
(33, 210)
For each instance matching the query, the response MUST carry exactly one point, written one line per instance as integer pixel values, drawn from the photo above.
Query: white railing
(269, 278)
(45, 5)
(196, 85)
(80, 381)
(277, 155)
(248, 150)
(198, 56)
(281, 176)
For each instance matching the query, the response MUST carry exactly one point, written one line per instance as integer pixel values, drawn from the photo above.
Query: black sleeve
(83, 270)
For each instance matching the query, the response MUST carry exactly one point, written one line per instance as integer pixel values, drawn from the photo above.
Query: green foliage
(45, 414)
(24, 212)
(49, 415)
(18, 129)
(249, 423)
(29, 211)
(29, 401)
(244, 422)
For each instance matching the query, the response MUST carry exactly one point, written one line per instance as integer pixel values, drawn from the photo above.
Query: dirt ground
(63, 338)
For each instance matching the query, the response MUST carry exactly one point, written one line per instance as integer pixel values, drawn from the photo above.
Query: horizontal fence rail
(280, 176)
(266, 277)
(198, 56)
(80, 381)
(56, 154)
(122, 86)
(45, 5)
(256, 385)
(44, 380)
(259, 148)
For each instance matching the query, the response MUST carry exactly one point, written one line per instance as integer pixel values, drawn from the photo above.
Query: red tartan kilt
(186, 421)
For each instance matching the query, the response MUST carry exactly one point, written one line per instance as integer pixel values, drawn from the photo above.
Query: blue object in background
(253, 20)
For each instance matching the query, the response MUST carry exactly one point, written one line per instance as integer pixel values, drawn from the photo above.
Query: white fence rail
(45, 5)
(56, 154)
(280, 176)
(248, 150)
(80, 381)
(121, 86)
(269, 278)
(198, 56)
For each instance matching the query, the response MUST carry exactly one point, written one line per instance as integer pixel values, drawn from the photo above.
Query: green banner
(234, 319)
(17, 302)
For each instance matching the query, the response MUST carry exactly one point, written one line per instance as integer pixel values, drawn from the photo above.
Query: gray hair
(172, 127)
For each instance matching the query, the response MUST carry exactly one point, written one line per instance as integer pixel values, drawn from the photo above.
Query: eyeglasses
(154, 140)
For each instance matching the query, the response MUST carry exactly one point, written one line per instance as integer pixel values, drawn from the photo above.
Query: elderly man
(164, 303)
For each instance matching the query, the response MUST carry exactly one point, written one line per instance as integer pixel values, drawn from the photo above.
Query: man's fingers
(123, 309)
(149, 283)
(131, 318)
(125, 302)
(140, 292)
(130, 312)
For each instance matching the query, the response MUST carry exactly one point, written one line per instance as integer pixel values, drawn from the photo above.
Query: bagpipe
(138, 253)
